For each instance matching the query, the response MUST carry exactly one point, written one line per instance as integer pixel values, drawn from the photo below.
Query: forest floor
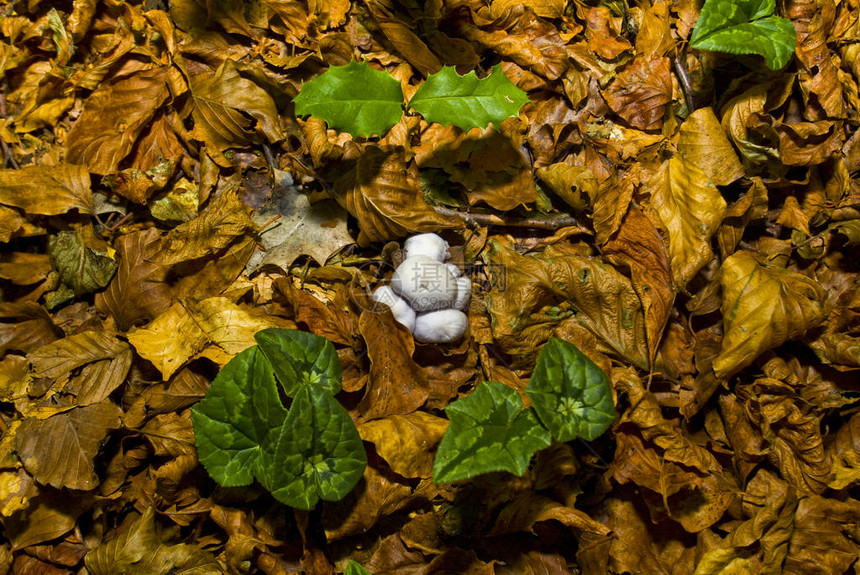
(689, 220)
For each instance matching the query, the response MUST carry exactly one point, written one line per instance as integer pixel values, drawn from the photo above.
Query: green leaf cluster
(745, 27)
(357, 99)
(490, 430)
(308, 452)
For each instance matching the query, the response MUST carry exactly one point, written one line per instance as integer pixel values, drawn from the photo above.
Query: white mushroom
(425, 283)
(454, 269)
(464, 293)
(441, 326)
(427, 245)
(400, 308)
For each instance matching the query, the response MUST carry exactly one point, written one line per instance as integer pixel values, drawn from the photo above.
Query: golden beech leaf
(642, 91)
(139, 290)
(64, 355)
(114, 117)
(230, 110)
(576, 185)
(60, 450)
(383, 194)
(213, 320)
(406, 442)
(397, 385)
(604, 301)
(222, 222)
(47, 190)
(763, 307)
(703, 142)
(639, 246)
(691, 210)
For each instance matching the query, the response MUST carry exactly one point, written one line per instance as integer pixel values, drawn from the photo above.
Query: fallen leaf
(396, 385)
(406, 442)
(60, 451)
(703, 142)
(691, 209)
(318, 230)
(114, 116)
(641, 92)
(763, 307)
(137, 549)
(47, 190)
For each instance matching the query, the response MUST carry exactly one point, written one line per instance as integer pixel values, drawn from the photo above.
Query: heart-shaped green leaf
(318, 455)
(301, 359)
(238, 419)
(354, 98)
(745, 27)
(489, 431)
(571, 395)
(468, 101)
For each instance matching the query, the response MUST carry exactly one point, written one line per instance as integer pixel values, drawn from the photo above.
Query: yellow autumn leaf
(703, 142)
(763, 307)
(691, 209)
(215, 320)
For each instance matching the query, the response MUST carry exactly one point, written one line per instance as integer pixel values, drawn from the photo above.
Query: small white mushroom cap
(454, 269)
(400, 308)
(425, 283)
(464, 293)
(440, 326)
(427, 245)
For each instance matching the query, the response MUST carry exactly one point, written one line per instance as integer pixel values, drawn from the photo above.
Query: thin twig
(552, 223)
(684, 79)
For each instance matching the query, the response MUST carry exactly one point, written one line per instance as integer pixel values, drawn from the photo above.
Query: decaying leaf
(763, 307)
(60, 450)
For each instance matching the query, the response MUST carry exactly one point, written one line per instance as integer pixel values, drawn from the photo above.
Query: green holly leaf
(319, 454)
(353, 568)
(301, 359)
(571, 395)
(468, 101)
(239, 418)
(354, 98)
(745, 27)
(489, 431)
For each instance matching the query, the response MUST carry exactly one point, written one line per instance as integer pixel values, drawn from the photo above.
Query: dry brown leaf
(703, 142)
(64, 355)
(383, 194)
(230, 110)
(61, 450)
(691, 209)
(406, 442)
(113, 119)
(139, 290)
(223, 221)
(763, 307)
(397, 385)
(47, 190)
(214, 320)
(641, 92)
(639, 246)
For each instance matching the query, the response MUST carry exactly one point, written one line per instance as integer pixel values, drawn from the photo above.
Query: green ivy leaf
(745, 27)
(319, 454)
(489, 431)
(467, 101)
(238, 419)
(301, 359)
(354, 98)
(353, 568)
(571, 395)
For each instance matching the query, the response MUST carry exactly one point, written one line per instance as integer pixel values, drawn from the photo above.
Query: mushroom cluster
(427, 295)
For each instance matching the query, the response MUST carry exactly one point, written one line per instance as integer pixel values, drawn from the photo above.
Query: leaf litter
(704, 258)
